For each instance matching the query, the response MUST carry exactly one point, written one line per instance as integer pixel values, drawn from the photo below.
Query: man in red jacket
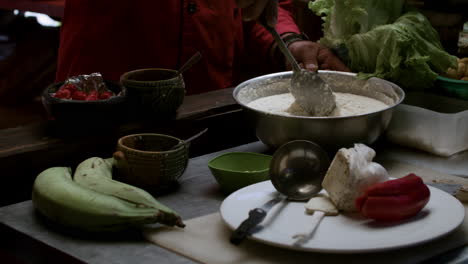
(112, 37)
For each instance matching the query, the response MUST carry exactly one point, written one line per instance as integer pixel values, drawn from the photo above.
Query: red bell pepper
(79, 95)
(105, 95)
(71, 91)
(394, 200)
(69, 86)
(63, 93)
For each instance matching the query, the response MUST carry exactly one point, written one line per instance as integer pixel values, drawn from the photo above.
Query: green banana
(96, 174)
(62, 200)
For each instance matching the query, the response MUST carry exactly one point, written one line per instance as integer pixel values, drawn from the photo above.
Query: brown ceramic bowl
(155, 92)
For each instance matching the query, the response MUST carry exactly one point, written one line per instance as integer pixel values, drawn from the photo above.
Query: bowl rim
(450, 80)
(119, 143)
(125, 75)
(118, 98)
(323, 118)
(211, 166)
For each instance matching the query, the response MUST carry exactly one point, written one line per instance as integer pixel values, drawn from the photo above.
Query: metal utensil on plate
(296, 171)
(256, 216)
(311, 92)
(302, 238)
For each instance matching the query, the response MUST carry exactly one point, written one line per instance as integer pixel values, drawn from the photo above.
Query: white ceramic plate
(349, 233)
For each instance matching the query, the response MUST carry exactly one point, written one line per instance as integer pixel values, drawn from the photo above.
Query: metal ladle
(296, 171)
(298, 168)
(311, 92)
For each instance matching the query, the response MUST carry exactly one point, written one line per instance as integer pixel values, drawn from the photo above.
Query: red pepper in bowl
(105, 95)
(79, 95)
(63, 93)
(84, 88)
(69, 86)
(394, 200)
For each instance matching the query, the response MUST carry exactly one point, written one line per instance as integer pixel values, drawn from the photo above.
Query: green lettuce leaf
(344, 18)
(379, 40)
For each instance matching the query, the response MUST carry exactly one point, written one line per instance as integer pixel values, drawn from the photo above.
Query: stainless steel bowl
(331, 133)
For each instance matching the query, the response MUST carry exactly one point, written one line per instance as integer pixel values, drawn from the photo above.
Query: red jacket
(112, 37)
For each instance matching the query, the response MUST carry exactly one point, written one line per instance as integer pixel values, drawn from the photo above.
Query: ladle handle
(194, 59)
(302, 238)
(283, 48)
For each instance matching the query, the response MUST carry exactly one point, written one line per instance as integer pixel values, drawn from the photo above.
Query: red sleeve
(259, 40)
(286, 21)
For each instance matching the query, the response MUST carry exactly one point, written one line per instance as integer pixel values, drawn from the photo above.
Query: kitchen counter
(198, 195)
(27, 150)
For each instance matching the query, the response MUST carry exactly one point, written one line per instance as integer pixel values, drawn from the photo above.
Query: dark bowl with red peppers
(81, 112)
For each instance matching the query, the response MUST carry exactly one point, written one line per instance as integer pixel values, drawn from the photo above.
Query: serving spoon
(310, 91)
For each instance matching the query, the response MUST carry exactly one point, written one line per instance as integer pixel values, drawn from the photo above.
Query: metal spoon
(194, 59)
(311, 92)
(298, 168)
(183, 142)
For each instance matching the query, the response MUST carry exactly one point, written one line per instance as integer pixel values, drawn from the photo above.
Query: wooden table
(198, 195)
(26, 151)
(26, 236)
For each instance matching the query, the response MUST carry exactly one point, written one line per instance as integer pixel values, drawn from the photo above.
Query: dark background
(28, 53)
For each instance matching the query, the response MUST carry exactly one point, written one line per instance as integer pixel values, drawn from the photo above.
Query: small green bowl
(453, 87)
(235, 170)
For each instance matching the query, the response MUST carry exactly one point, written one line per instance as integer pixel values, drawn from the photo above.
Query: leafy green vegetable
(348, 17)
(379, 40)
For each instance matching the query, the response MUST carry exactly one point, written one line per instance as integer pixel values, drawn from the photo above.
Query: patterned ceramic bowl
(156, 93)
(153, 162)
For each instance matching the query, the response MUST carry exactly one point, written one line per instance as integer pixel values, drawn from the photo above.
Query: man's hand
(313, 56)
(264, 10)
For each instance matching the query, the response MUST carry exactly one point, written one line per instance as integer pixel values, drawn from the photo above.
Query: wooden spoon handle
(194, 59)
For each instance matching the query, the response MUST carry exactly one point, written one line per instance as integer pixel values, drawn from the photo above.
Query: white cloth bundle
(443, 134)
